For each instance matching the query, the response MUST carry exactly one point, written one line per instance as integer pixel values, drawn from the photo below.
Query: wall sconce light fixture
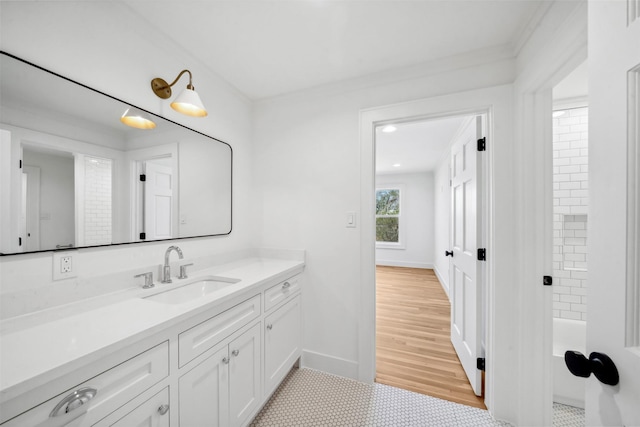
(137, 119)
(188, 102)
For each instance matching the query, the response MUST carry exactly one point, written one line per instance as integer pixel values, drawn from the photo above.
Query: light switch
(351, 220)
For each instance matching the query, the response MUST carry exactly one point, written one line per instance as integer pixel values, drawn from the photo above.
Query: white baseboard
(444, 283)
(330, 364)
(408, 264)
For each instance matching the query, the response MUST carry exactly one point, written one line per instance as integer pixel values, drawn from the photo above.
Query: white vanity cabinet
(224, 389)
(90, 402)
(282, 334)
(165, 364)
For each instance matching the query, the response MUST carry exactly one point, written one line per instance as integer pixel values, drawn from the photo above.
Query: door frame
(534, 179)
(134, 160)
(495, 103)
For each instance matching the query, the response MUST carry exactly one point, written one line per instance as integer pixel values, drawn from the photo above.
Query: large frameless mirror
(72, 175)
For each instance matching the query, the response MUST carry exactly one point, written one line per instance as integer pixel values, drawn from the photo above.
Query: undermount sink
(196, 289)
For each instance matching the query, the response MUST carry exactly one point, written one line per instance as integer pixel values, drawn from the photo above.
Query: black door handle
(599, 364)
(448, 253)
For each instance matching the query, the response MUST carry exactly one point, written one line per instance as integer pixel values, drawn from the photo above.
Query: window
(388, 221)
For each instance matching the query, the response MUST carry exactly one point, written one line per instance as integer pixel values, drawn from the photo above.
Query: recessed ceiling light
(558, 113)
(389, 129)
(396, 165)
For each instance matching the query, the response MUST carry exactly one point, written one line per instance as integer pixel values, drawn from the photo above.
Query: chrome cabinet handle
(269, 326)
(163, 409)
(235, 352)
(73, 401)
(225, 360)
(286, 285)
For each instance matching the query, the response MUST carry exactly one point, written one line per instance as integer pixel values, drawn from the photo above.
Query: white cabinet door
(204, 393)
(613, 325)
(244, 375)
(282, 342)
(152, 413)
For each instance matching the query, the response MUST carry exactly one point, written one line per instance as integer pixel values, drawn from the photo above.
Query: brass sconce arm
(188, 102)
(163, 89)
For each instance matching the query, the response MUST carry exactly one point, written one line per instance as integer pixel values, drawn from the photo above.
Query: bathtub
(568, 335)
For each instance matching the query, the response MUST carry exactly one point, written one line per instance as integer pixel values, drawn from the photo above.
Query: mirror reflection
(72, 174)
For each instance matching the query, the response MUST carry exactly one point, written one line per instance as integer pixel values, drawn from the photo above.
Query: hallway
(413, 346)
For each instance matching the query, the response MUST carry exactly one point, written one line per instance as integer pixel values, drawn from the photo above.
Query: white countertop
(36, 348)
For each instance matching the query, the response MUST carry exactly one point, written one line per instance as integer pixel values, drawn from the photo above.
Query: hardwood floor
(413, 346)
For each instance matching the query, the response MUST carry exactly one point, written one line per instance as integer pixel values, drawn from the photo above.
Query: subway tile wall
(570, 213)
(97, 201)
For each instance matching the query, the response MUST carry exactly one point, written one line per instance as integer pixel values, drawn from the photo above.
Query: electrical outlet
(63, 265)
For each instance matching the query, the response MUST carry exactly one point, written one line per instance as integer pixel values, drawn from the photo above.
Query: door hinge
(143, 236)
(547, 280)
(482, 254)
(480, 363)
(482, 144)
(143, 177)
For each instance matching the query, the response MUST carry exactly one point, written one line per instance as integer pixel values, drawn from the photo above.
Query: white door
(613, 305)
(158, 202)
(32, 198)
(465, 231)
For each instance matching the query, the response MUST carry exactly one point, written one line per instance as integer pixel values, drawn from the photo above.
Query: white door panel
(613, 322)
(158, 201)
(466, 298)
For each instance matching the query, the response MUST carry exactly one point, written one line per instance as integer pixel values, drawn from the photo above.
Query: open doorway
(570, 226)
(416, 197)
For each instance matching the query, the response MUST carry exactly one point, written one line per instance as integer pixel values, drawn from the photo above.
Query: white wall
(416, 218)
(308, 177)
(442, 219)
(104, 45)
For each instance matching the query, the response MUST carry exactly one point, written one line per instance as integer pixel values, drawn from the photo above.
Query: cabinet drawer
(280, 292)
(113, 388)
(152, 413)
(195, 341)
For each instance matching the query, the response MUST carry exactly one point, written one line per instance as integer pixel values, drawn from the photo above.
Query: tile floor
(567, 416)
(312, 398)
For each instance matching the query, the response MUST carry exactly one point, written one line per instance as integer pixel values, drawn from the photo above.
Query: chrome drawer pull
(269, 326)
(225, 360)
(163, 409)
(235, 352)
(286, 285)
(73, 401)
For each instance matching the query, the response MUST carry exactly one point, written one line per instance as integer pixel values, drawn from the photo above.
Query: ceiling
(574, 86)
(266, 48)
(415, 146)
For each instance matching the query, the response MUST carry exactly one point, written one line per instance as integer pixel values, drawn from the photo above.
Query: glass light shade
(189, 103)
(137, 119)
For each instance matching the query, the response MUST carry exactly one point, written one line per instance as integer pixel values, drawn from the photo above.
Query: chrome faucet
(166, 269)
